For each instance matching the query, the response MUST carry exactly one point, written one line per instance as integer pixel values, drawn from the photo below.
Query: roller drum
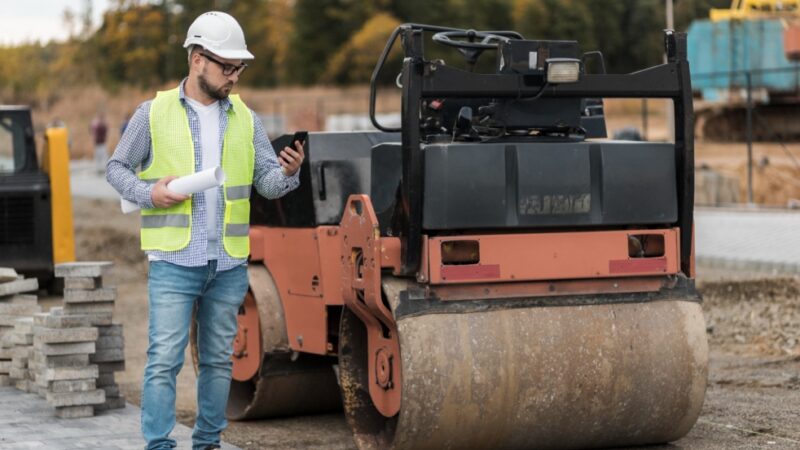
(284, 385)
(555, 377)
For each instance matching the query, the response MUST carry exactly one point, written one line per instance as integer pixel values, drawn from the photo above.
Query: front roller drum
(555, 377)
(267, 379)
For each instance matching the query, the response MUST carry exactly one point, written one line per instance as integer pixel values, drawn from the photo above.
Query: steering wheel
(466, 39)
(472, 43)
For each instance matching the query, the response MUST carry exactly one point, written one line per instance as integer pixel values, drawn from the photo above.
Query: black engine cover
(470, 185)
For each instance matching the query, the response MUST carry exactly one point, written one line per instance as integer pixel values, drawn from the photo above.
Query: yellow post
(56, 164)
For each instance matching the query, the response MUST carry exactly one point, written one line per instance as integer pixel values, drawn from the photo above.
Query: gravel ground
(753, 319)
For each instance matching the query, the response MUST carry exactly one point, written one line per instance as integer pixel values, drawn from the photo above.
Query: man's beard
(216, 94)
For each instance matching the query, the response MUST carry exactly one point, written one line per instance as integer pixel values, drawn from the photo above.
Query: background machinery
(749, 51)
(36, 228)
(487, 275)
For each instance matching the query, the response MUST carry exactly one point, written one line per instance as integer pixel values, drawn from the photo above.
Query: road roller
(493, 273)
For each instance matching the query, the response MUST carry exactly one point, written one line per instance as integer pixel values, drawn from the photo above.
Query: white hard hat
(220, 34)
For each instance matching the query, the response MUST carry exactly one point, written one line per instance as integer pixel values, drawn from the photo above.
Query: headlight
(563, 70)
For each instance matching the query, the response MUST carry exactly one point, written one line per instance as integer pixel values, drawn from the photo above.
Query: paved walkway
(748, 239)
(28, 422)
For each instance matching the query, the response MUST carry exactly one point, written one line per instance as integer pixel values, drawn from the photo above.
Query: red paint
(471, 272)
(638, 265)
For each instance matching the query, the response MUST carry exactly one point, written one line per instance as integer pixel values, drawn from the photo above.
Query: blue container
(721, 52)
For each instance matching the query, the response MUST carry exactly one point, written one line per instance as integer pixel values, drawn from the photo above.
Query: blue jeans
(174, 290)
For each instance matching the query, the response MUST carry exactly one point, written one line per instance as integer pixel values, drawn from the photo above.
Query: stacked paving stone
(63, 373)
(110, 358)
(13, 305)
(22, 337)
(88, 292)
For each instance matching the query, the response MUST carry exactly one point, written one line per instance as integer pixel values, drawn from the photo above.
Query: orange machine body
(307, 266)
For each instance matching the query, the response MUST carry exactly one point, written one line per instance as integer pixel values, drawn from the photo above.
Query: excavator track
(776, 123)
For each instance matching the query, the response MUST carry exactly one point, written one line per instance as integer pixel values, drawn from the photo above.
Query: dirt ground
(753, 328)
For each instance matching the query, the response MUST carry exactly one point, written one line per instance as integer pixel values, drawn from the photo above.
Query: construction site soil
(753, 329)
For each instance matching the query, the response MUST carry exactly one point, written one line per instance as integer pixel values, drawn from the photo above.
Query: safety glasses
(227, 69)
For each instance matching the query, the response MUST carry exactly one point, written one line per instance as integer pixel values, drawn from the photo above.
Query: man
(198, 245)
(99, 130)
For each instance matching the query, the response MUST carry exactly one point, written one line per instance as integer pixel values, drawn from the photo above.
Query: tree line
(307, 42)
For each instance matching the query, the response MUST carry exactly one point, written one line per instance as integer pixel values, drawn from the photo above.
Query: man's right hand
(163, 197)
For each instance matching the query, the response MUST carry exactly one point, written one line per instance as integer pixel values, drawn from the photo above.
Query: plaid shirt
(135, 150)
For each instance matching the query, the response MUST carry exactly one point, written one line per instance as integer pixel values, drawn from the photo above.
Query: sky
(30, 20)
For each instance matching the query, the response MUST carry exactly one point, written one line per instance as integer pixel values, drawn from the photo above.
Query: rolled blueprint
(190, 184)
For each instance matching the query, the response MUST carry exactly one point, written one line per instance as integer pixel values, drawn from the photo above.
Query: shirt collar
(225, 104)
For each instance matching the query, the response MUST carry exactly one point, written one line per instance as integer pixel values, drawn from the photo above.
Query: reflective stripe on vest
(236, 229)
(169, 229)
(165, 220)
(237, 192)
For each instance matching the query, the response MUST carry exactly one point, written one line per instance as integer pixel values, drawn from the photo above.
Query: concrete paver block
(107, 355)
(111, 403)
(89, 308)
(20, 299)
(7, 321)
(112, 330)
(15, 309)
(21, 338)
(64, 335)
(21, 352)
(87, 282)
(111, 367)
(99, 319)
(83, 269)
(66, 373)
(7, 274)
(111, 391)
(47, 320)
(17, 373)
(18, 286)
(61, 386)
(105, 378)
(105, 294)
(24, 384)
(74, 412)
(6, 338)
(65, 349)
(24, 325)
(19, 363)
(61, 360)
(94, 397)
(109, 342)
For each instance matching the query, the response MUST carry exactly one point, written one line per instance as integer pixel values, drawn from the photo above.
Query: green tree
(321, 27)
(132, 45)
(267, 26)
(355, 60)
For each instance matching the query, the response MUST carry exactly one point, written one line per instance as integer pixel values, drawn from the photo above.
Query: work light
(563, 70)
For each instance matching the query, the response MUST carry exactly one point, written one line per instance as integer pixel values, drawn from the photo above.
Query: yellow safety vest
(169, 229)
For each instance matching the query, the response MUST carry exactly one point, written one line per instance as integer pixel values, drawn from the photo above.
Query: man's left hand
(290, 159)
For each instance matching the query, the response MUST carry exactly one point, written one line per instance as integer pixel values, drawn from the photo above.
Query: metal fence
(752, 81)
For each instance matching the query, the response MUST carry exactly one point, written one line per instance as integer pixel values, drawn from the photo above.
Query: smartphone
(301, 136)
